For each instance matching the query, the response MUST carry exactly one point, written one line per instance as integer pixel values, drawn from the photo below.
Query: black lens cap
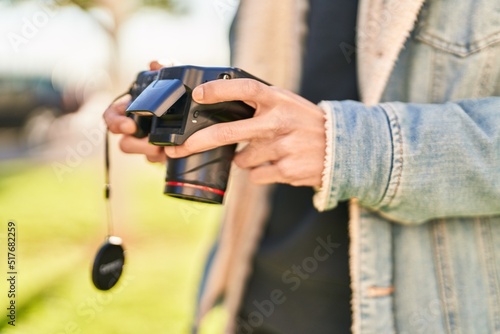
(108, 263)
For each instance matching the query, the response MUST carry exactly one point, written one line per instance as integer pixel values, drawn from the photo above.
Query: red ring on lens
(196, 186)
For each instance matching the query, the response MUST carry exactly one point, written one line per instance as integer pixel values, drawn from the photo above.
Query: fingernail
(198, 94)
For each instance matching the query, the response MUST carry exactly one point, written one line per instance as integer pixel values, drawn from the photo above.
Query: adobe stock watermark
(293, 278)
(372, 29)
(88, 309)
(30, 26)
(423, 319)
(76, 154)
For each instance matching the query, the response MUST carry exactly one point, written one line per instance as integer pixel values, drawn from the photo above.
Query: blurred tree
(117, 13)
(120, 11)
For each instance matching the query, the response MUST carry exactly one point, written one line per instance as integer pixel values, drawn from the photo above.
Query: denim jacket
(419, 158)
(426, 173)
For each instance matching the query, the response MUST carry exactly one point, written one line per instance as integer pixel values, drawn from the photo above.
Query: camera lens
(200, 177)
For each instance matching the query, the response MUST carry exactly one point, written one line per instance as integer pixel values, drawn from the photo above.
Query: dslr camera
(163, 109)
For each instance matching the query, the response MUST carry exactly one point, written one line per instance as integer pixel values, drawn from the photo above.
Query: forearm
(415, 162)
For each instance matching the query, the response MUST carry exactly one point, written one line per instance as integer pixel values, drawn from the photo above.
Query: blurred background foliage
(61, 63)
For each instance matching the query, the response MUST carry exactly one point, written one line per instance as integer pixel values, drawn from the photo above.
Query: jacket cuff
(320, 198)
(359, 154)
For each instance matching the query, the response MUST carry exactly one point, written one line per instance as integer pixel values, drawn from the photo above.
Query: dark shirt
(300, 278)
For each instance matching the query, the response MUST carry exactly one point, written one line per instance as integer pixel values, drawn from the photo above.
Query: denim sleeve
(414, 162)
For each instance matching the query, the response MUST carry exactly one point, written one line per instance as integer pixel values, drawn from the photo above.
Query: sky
(69, 45)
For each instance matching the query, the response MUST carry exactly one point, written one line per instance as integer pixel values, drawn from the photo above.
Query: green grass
(60, 225)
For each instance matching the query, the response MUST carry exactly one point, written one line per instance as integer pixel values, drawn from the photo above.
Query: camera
(164, 111)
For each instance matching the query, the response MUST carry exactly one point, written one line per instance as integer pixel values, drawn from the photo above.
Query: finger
(257, 153)
(228, 133)
(267, 174)
(129, 144)
(115, 118)
(250, 91)
(280, 173)
(159, 64)
(155, 65)
(160, 157)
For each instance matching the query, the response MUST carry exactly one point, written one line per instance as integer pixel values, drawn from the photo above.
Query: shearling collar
(383, 27)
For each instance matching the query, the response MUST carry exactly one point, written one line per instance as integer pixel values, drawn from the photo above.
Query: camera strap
(109, 260)
(107, 184)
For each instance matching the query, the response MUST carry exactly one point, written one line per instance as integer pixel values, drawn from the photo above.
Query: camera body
(164, 110)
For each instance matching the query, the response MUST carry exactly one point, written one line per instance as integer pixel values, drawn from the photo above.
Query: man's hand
(118, 123)
(286, 136)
